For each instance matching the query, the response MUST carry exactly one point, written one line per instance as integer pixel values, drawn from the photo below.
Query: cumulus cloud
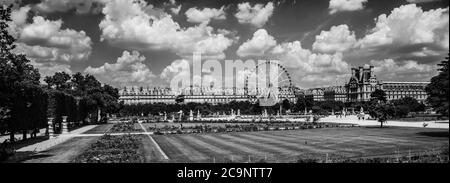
(205, 15)
(49, 47)
(19, 19)
(44, 40)
(310, 69)
(409, 24)
(258, 45)
(175, 68)
(346, 5)
(80, 6)
(137, 25)
(128, 69)
(409, 70)
(408, 31)
(256, 15)
(337, 39)
(50, 68)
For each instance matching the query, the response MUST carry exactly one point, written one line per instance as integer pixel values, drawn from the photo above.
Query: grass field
(288, 146)
(270, 146)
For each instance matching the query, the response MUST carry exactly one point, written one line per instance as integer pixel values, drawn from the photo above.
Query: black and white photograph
(262, 82)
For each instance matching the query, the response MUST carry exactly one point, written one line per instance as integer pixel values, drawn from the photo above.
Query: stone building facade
(361, 84)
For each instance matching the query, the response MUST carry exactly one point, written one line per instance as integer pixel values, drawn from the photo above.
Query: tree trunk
(11, 136)
(24, 134)
(35, 133)
(381, 124)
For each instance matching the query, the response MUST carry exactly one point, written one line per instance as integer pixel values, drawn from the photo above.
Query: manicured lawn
(288, 146)
(271, 146)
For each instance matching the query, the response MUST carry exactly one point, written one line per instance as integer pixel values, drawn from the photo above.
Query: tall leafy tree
(438, 89)
(59, 81)
(409, 103)
(19, 82)
(379, 108)
(378, 95)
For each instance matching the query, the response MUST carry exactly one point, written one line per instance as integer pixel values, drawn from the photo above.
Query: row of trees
(80, 97)
(25, 103)
(205, 108)
(21, 98)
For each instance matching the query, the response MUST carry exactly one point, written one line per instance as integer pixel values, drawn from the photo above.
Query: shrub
(113, 149)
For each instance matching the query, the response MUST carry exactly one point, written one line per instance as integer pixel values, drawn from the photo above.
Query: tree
(303, 102)
(59, 80)
(438, 89)
(286, 104)
(19, 84)
(379, 108)
(382, 112)
(409, 104)
(378, 95)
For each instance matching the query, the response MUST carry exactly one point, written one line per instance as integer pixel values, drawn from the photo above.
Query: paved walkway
(354, 120)
(44, 145)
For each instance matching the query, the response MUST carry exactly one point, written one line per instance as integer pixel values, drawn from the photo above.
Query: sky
(143, 43)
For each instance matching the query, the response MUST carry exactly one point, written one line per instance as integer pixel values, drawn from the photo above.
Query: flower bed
(206, 128)
(124, 127)
(113, 149)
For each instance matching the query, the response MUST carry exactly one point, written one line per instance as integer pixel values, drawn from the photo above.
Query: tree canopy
(21, 97)
(438, 89)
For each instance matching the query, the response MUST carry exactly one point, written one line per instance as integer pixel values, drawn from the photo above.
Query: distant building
(332, 93)
(135, 95)
(397, 90)
(361, 84)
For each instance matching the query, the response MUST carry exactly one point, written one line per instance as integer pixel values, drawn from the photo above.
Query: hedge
(29, 109)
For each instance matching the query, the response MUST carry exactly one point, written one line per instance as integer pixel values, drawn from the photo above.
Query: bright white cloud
(346, 5)
(128, 69)
(337, 39)
(390, 70)
(408, 33)
(205, 15)
(256, 15)
(258, 45)
(175, 69)
(19, 19)
(44, 40)
(310, 69)
(136, 25)
(50, 68)
(81, 6)
(50, 48)
(408, 25)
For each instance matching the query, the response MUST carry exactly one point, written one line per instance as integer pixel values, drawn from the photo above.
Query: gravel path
(354, 120)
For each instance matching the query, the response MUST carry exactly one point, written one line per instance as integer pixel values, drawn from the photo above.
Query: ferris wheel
(269, 83)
